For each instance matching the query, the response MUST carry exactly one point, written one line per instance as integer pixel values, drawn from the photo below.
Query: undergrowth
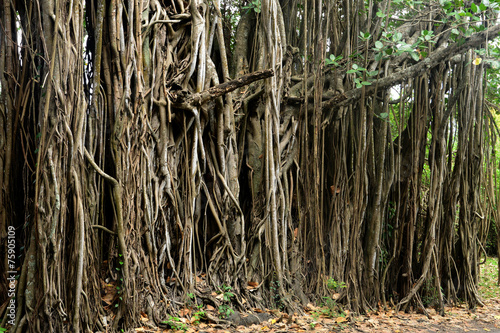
(488, 282)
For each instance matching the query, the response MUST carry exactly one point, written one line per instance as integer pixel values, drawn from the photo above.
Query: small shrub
(175, 323)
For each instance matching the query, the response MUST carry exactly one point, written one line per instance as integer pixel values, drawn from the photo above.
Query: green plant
(256, 5)
(358, 71)
(335, 285)
(274, 288)
(119, 287)
(488, 287)
(175, 323)
(330, 308)
(225, 309)
(199, 315)
(227, 293)
(430, 294)
(3, 329)
(333, 60)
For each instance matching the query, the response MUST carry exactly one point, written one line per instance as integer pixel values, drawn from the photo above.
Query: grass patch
(488, 286)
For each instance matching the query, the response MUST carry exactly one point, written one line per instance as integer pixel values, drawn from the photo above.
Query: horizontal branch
(221, 89)
(335, 103)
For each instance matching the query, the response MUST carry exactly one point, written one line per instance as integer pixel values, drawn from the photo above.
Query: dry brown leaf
(184, 312)
(340, 320)
(109, 293)
(310, 307)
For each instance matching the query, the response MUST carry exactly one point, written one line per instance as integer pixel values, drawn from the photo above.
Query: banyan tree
(166, 148)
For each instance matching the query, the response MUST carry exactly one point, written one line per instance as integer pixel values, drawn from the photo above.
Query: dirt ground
(456, 319)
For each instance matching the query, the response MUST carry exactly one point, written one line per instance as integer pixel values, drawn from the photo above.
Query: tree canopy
(168, 148)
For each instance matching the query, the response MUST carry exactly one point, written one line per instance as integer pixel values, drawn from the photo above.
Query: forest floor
(320, 319)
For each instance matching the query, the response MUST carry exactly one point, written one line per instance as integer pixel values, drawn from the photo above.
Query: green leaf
(351, 71)
(354, 66)
(380, 14)
(379, 44)
(366, 83)
(359, 85)
(483, 7)
(415, 56)
(474, 8)
(384, 115)
(372, 73)
(455, 31)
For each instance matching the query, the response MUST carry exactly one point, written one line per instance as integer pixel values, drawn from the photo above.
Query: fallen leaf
(210, 308)
(340, 320)
(184, 312)
(253, 284)
(310, 307)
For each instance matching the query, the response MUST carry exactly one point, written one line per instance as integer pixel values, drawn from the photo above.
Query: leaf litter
(456, 319)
